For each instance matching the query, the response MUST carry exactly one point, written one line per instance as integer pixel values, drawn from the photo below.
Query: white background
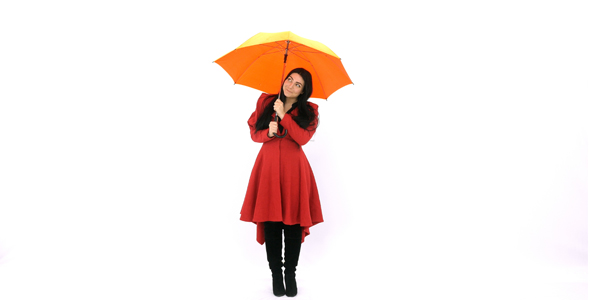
(455, 166)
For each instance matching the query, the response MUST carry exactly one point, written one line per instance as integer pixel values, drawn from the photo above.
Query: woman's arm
(260, 136)
(300, 136)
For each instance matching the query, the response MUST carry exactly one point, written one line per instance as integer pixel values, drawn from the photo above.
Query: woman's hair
(306, 114)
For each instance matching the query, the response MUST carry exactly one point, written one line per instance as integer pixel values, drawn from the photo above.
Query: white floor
(188, 265)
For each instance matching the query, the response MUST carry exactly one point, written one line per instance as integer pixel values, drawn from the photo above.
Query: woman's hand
(279, 107)
(273, 127)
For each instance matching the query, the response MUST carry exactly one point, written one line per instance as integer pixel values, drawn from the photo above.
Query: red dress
(282, 187)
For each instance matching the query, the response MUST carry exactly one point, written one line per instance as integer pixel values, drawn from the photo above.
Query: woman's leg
(292, 250)
(273, 236)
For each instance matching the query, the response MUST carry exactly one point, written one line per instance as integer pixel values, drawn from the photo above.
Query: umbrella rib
(297, 52)
(321, 84)
(302, 57)
(270, 49)
(251, 63)
(312, 66)
(310, 50)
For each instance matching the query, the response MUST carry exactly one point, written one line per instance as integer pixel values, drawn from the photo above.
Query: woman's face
(293, 85)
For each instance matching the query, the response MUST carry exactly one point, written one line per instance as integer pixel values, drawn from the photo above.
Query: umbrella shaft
(284, 65)
(286, 52)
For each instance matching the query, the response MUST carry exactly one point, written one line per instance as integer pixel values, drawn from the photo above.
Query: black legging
(273, 230)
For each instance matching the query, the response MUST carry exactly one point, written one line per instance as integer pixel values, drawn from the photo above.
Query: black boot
(273, 234)
(292, 250)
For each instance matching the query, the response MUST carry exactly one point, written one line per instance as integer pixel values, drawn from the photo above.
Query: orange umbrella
(261, 62)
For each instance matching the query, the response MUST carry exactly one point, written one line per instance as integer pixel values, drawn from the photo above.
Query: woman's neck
(291, 100)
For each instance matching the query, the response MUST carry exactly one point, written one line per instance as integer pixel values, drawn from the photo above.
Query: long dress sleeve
(259, 136)
(300, 135)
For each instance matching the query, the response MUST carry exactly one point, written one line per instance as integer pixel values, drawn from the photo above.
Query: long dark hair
(306, 115)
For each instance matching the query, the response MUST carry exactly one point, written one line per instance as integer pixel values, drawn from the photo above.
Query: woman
(282, 192)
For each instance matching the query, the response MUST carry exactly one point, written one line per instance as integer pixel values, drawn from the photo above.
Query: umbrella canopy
(261, 62)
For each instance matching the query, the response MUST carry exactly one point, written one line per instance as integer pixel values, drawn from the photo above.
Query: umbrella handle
(276, 135)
